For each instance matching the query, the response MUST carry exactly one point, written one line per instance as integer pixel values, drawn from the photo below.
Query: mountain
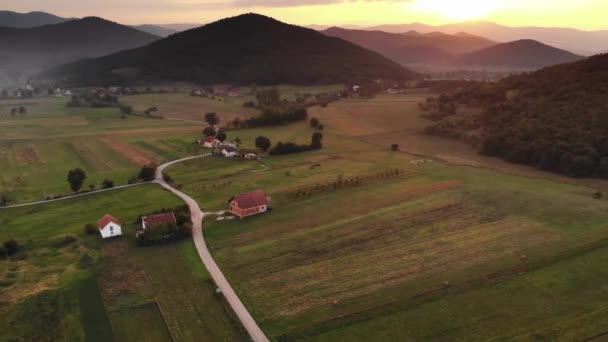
(242, 50)
(555, 119)
(50, 45)
(31, 19)
(579, 41)
(521, 54)
(377, 40)
(155, 30)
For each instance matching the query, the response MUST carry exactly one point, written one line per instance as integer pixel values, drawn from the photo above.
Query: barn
(109, 226)
(158, 219)
(250, 203)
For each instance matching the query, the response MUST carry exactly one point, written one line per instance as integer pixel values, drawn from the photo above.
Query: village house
(229, 151)
(211, 142)
(247, 204)
(109, 226)
(158, 219)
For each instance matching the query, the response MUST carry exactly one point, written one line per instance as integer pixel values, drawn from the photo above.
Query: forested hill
(242, 50)
(50, 45)
(523, 54)
(554, 119)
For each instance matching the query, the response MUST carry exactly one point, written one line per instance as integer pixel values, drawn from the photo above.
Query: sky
(583, 14)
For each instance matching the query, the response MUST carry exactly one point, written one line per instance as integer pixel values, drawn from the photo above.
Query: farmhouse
(211, 142)
(251, 156)
(158, 219)
(109, 227)
(248, 204)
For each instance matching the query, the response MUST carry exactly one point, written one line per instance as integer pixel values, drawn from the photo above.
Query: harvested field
(136, 155)
(26, 155)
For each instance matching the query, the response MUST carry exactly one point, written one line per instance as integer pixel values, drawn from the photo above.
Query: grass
(358, 262)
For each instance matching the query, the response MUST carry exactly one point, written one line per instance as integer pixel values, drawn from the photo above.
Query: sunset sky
(585, 14)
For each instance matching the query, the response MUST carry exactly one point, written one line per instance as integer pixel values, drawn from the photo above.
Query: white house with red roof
(250, 203)
(109, 226)
(158, 219)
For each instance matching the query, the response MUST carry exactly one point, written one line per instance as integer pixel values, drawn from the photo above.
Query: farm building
(248, 204)
(229, 152)
(251, 156)
(158, 219)
(211, 142)
(109, 226)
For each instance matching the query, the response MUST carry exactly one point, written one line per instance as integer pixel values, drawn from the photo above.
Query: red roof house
(109, 226)
(154, 220)
(250, 203)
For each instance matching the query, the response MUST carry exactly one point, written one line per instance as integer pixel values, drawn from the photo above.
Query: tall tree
(212, 119)
(76, 178)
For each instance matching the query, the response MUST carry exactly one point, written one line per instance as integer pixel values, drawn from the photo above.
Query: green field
(447, 245)
(361, 243)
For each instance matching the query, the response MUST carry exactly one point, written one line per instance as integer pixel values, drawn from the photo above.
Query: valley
(359, 237)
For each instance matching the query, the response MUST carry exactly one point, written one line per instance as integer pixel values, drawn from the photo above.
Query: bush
(107, 184)
(598, 195)
(126, 109)
(91, 229)
(314, 122)
(262, 143)
(3, 252)
(394, 147)
(209, 131)
(76, 178)
(148, 172)
(221, 136)
(12, 247)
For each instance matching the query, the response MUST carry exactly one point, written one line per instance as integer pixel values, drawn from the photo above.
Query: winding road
(254, 331)
(247, 321)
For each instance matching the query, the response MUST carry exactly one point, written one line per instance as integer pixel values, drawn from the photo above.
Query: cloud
(299, 3)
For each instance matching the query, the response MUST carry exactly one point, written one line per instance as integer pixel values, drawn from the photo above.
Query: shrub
(90, 229)
(12, 247)
(209, 131)
(126, 109)
(148, 172)
(3, 252)
(221, 136)
(107, 184)
(394, 147)
(598, 195)
(262, 143)
(314, 123)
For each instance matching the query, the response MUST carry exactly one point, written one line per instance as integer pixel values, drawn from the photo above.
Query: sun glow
(458, 9)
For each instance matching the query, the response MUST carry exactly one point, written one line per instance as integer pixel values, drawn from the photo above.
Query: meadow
(449, 245)
(38, 148)
(432, 242)
(87, 289)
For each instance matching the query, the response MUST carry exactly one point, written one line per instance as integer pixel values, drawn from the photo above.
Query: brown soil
(130, 152)
(27, 155)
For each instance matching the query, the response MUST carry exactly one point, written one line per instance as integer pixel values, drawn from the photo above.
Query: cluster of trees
(9, 248)
(275, 117)
(555, 119)
(93, 99)
(18, 110)
(316, 124)
(342, 182)
(76, 178)
(166, 232)
(288, 148)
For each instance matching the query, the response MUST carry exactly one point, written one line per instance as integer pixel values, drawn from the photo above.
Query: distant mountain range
(413, 47)
(460, 50)
(27, 20)
(521, 54)
(50, 45)
(242, 50)
(578, 41)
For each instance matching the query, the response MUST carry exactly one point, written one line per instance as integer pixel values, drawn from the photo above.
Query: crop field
(186, 107)
(340, 259)
(361, 243)
(38, 149)
(125, 286)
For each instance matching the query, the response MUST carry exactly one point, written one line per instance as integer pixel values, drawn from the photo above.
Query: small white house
(67, 93)
(251, 156)
(109, 226)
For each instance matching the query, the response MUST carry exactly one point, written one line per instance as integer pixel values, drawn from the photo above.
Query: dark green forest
(555, 119)
(242, 50)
